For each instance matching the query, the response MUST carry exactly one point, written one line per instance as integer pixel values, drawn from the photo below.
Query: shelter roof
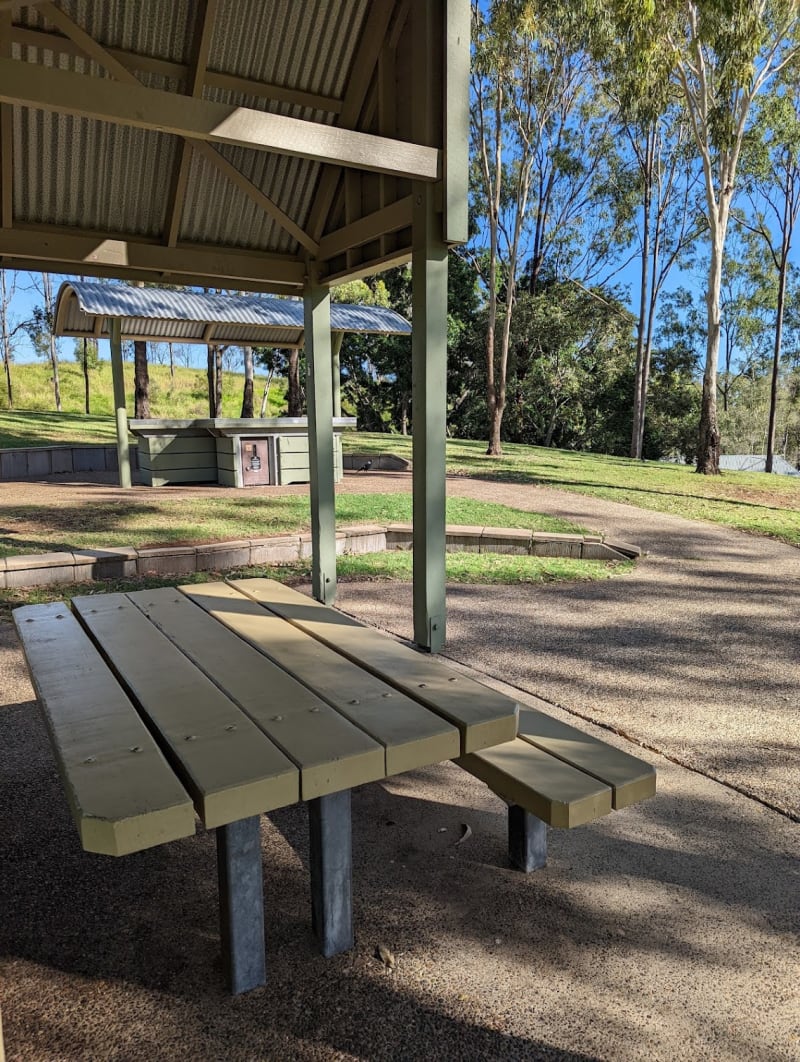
(183, 316)
(223, 142)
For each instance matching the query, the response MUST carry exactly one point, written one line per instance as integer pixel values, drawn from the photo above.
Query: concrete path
(695, 653)
(666, 932)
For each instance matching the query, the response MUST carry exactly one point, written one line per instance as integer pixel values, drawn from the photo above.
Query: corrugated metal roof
(756, 463)
(183, 315)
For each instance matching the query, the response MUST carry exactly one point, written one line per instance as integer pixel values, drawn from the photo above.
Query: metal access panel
(255, 462)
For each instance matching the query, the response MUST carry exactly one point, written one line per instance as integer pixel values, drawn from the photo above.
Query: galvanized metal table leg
(241, 903)
(527, 839)
(331, 858)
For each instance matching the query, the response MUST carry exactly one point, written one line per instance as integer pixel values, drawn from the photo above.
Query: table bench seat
(553, 774)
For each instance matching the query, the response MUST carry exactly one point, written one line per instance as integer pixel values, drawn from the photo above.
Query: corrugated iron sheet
(182, 315)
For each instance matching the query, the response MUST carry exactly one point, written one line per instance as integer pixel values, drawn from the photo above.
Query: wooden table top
(250, 695)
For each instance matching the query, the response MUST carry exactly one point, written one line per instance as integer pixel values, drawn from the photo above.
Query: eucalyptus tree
(721, 56)
(8, 328)
(771, 170)
(539, 187)
(669, 222)
(41, 332)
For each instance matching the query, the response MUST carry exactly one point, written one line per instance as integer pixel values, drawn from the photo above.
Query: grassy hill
(184, 397)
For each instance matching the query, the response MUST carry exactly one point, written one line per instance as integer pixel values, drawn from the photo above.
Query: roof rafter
(143, 108)
(372, 40)
(148, 64)
(206, 13)
(196, 72)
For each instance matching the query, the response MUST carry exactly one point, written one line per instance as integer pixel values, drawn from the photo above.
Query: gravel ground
(668, 931)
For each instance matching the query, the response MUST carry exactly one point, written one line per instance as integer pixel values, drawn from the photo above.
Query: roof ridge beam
(134, 105)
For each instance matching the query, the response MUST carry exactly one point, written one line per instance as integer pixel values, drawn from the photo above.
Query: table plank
(231, 768)
(411, 735)
(547, 787)
(630, 778)
(483, 716)
(330, 751)
(123, 794)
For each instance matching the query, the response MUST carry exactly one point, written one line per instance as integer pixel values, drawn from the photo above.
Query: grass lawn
(747, 501)
(461, 568)
(161, 519)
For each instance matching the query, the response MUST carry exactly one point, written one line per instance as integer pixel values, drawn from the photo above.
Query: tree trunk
(247, 394)
(171, 365)
(265, 396)
(218, 381)
(141, 381)
(404, 415)
(210, 372)
(295, 401)
(708, 443)
(86, 408)
(637, 430)
(5, 338)
(776, 361)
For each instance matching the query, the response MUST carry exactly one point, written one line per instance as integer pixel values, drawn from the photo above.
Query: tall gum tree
(538, 149)
(721, 55)
(771, 168)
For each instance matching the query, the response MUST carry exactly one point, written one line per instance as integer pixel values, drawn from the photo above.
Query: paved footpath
(695, 653)
(665, 933)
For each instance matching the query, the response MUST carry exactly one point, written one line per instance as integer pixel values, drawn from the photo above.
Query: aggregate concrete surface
(666, 931)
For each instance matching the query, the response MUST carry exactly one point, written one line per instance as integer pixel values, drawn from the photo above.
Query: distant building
(756, 463)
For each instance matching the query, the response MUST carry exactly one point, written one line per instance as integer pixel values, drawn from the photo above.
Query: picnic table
(211, 700)
(227, 700)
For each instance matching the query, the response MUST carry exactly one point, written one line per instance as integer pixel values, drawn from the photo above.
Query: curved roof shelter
(259, 145)
(182, 316)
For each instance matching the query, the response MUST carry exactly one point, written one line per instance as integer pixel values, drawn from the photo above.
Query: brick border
(87, 565)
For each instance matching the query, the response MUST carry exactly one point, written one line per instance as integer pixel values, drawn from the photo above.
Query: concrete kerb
(88, 565)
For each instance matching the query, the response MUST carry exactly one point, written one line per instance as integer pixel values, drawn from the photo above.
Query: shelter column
(317, 311)
(428, 406)
(336, 373)
(120, 410)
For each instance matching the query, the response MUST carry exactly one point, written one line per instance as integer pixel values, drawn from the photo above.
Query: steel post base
(527, 839)
(241, 904)
(331, 859)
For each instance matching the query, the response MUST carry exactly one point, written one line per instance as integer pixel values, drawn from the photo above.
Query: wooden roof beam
(64, 92)
(131, 256)
(204, 27)
(27, 37)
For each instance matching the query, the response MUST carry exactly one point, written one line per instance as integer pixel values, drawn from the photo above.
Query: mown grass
(162, 519)
(493, 569)
(32, 422)
(747, 501)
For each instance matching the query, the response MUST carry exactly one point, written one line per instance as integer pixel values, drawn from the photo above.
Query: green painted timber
(630, 778)
(177, 444)
(547, 787)
(411, 735)
(319, 391)
(123, 794)
(230, 768)
(120, 408)
(483, 716)
(331, 753)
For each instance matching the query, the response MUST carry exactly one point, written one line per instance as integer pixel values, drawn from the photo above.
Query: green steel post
(317, 311)
(428, 403)
(121, 413)
(336, 375)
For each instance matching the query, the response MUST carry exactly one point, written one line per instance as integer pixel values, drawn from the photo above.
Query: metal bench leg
(527, 839)
(241, 903)
(331, 859)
